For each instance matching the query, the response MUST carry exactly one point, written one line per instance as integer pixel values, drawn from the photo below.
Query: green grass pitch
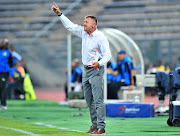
(47, 118)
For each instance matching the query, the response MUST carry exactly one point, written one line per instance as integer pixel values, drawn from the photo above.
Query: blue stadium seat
(15, 13)
(8, 28)
(4, 34)
(49, 13)
(38, 27)
(33, 1)
(18, 7)
(138, 17)
(11, 21)
(139, 10)
(21, 34)
(139, 23)
(41, 20)
(124, 4)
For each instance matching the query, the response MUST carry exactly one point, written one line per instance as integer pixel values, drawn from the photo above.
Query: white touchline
(51, 126)
(19, 130)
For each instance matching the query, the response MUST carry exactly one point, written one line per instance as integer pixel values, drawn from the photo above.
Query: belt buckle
(86, 67)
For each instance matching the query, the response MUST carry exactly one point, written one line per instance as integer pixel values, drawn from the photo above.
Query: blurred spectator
(110, 76)
(111, 81)
(178, 63)
(160, 66)
(125, 70)
(76, 78)
(15, 55)
(22, 63)
(5, 70)
(167, 68)
(76, 72)
(151, 69)
(16, 87)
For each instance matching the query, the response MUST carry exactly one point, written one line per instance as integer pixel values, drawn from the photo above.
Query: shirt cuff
(61, 16)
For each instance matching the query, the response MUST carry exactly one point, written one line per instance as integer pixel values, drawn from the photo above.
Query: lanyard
(93, 60)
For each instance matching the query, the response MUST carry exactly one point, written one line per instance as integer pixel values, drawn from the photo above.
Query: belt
(87, 67)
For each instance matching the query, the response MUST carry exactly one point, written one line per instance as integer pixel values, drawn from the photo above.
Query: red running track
(59, 95)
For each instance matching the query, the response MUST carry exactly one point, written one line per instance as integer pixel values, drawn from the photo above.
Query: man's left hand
(94, 65)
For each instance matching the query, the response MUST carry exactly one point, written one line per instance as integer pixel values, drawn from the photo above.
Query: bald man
(95, 54)
(5, 70)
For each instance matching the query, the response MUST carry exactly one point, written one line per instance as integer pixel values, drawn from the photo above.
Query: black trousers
(14, 88)
(113, 89)
(3, 80)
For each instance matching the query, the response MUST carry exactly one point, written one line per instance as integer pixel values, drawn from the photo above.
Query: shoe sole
(99, 134)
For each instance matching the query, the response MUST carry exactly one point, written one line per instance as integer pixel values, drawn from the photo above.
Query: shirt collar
(95, 33)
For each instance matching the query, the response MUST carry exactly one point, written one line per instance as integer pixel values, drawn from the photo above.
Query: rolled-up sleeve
(105, 51)
(74, 28)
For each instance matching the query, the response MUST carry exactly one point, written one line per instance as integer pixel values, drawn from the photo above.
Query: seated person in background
(151, 69)
(112, 81)
(161, 67)
(110, 76)
(76, 78)
(17, 85)
(24, 66)
(125, 69)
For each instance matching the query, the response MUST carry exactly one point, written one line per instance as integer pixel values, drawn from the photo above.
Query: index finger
(91, 66)
(55, 4)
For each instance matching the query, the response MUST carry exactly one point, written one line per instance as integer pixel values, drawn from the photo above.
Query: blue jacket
(110, 77)
(176, 79)
(162, 80)
(124, 68)
(76, 75)
(6, 62)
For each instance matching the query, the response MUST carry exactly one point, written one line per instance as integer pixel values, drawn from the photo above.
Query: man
(5, 70)
(95, 53)
(17, 86)
(76, 77)
(76, 72)
(111, 79)
(160, 66)
(125, 68)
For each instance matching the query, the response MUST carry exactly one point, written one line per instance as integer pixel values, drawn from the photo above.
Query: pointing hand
(56, 9)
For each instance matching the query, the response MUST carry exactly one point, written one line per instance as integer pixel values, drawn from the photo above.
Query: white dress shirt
(90, 43)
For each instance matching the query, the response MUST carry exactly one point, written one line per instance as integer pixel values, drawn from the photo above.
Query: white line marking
(164, 133)
(51, 126)
(19, 130)
(143, 133)
(115, 134)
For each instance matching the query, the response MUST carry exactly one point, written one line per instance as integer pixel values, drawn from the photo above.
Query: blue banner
(129, 110)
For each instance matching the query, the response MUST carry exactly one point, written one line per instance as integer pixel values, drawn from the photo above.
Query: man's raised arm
(74, 28)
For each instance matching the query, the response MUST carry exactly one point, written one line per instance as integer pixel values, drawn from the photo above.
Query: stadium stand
(145, 18)
(144, 21)
(28, 18)
(147, 22)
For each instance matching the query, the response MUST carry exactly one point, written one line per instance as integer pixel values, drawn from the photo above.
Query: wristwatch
(60, 14)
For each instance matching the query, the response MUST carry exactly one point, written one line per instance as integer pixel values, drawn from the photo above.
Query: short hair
(92, 17)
